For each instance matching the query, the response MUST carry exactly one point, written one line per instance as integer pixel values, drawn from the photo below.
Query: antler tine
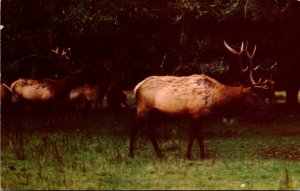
(163, 62)
(271, 68)
(256, 68)
(242, 69)
(265, 87)
(229, 48)
(55, 50)
(234, 51)
(250, 56)
(264, 82)
(245, 69)
(179, 66)
(254, 50)
(251, 68)
(63, 52)
(242, 48)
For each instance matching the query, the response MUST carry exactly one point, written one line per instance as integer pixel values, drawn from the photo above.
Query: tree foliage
(130, 38)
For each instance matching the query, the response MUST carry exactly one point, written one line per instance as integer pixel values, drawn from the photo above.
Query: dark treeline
(129, 39)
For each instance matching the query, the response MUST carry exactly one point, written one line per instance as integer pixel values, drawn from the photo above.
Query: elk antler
(269, 70)
(239, 54)
(64, 54)
(179, 66)
(234, 51)
(163, 62)
(56, 50)
(263, 84)
(251, 69)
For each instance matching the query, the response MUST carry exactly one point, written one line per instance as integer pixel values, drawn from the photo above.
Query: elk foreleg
(192, 136)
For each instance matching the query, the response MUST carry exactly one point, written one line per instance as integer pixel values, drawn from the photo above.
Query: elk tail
(136, 88)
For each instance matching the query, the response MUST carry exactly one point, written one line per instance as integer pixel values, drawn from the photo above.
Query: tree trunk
(292, 96)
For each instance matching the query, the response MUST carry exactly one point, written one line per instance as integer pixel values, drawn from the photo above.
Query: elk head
(262, 85)
(62, 61)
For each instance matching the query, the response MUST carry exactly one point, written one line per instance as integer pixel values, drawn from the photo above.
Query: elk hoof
(160, 155)
(202, 157)
(189, 156)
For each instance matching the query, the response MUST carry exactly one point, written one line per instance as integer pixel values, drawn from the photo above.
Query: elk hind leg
(153, 139)
(133, 135)
(200, 137)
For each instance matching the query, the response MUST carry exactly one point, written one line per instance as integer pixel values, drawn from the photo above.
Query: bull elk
(195, 97)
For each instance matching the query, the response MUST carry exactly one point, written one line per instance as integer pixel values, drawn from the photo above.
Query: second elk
(87, 96)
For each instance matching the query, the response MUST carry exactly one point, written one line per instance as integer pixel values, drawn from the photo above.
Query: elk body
(195, 97)
(45, 90)
(87, 96)
(41, 98)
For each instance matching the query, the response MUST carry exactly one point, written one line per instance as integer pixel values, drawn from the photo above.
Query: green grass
(91, 153)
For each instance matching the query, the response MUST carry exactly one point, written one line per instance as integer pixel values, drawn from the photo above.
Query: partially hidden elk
(87, 96)
(194, 97)
(116, 97)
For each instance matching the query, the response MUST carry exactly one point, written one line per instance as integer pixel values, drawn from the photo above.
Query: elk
(116, 97)
(87, 96)
(45, 90)
(195, 97)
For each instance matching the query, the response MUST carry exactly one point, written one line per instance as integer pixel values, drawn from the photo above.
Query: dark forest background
(126, 41)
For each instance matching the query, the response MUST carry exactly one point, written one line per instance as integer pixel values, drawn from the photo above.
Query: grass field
(90, 152)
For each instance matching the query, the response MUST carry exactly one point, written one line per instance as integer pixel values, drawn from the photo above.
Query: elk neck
(66, 84)
(231, 96)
